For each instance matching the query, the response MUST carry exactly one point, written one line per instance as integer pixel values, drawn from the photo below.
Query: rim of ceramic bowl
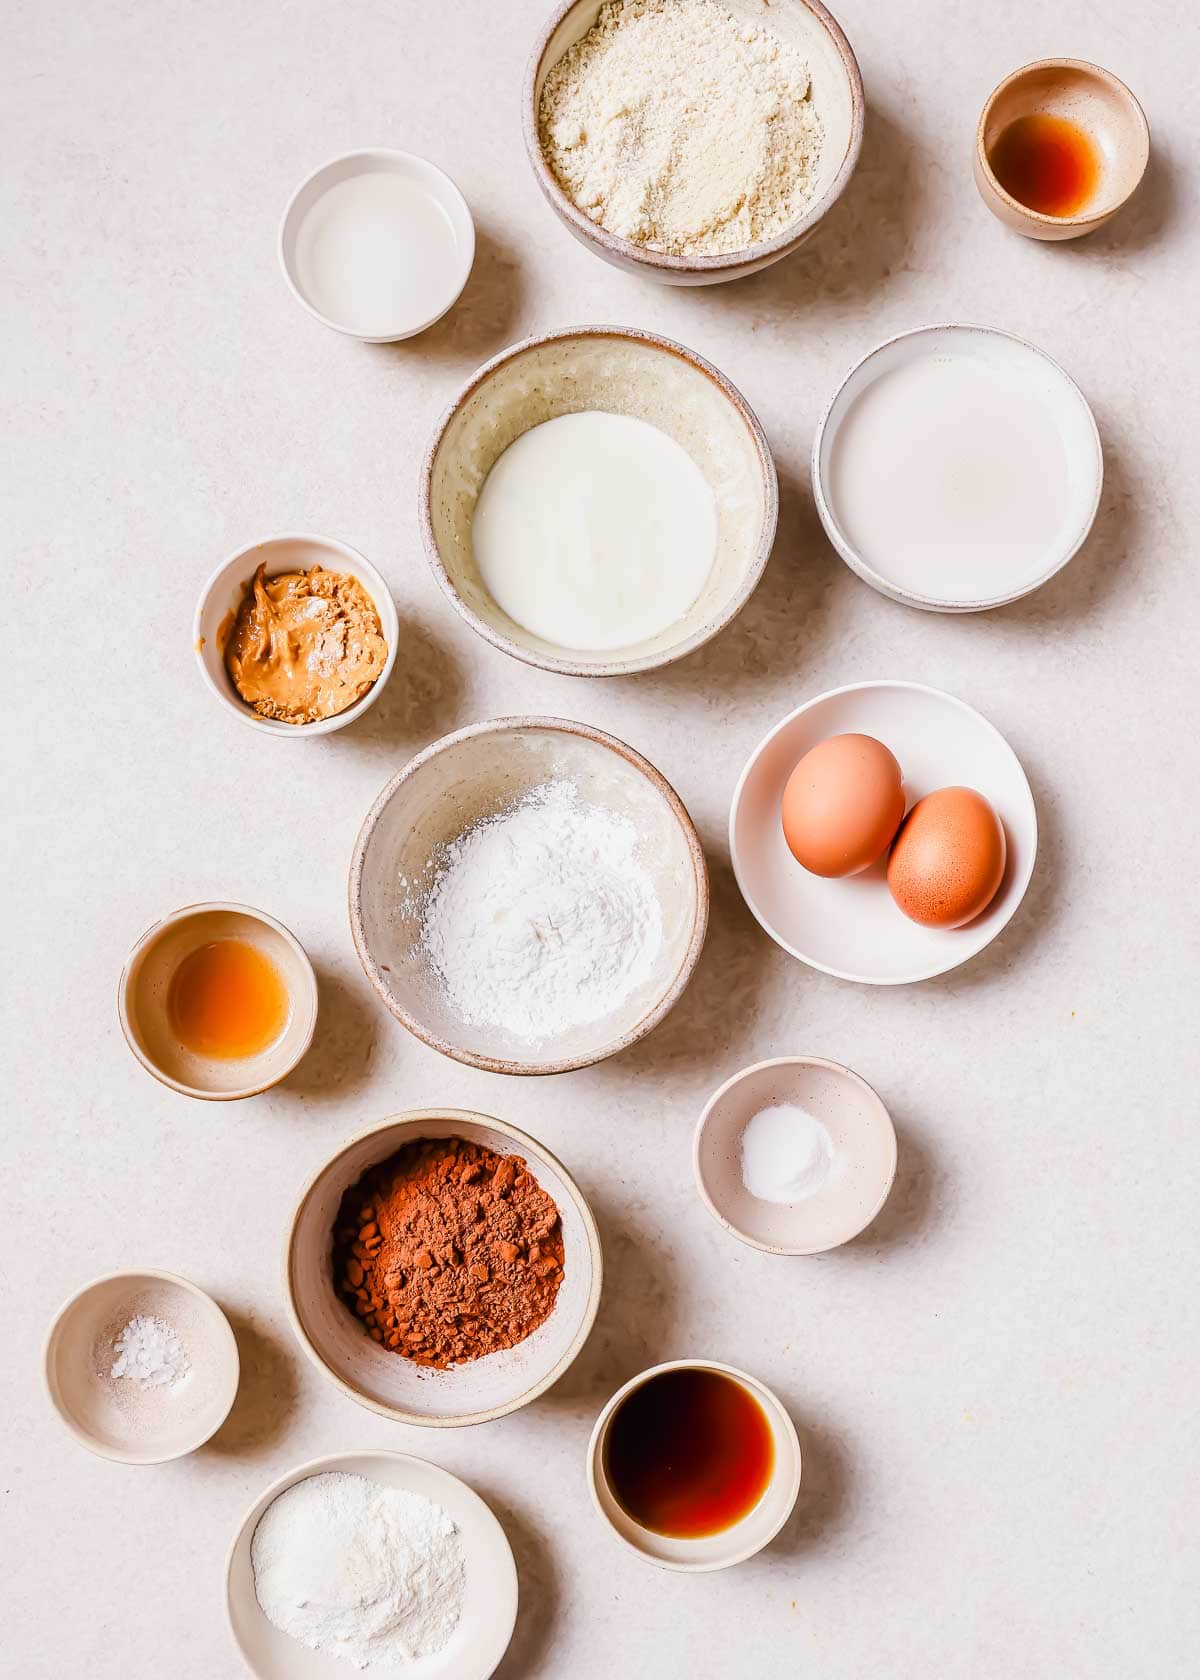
(662, 262)
(224, 1333)
(411, 1120)
(182, 914)
(691, 956)
(381, 598)
(915, 598)
(723, 1091)
(760, 916)
(595, 1446)
(1098, 212)
(393, 153)
(646, 662)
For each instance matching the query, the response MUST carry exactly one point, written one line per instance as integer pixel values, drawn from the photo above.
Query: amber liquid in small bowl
(1047, 164)
(227, 1000)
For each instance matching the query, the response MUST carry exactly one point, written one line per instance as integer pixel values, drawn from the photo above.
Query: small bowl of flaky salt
(141, 1367)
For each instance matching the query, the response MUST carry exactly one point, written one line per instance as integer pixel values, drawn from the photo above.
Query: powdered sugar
(150, 1352)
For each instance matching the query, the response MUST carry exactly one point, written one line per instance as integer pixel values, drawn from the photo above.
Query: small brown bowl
(1094, 100)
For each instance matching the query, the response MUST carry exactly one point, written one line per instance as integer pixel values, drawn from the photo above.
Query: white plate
(489, 1602)
(852, 928)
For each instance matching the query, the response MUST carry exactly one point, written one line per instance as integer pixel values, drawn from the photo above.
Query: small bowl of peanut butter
(296, 635)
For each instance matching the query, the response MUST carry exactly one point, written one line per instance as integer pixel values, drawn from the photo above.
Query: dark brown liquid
(1047, 164)
(689, 1453)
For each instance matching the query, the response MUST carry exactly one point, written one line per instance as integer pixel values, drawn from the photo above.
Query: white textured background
(995, 1387)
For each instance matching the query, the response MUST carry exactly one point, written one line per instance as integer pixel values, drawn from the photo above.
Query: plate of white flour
(373, 1563)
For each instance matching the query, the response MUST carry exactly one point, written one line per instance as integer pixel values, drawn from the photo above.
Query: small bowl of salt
(142, 1367)
(795, 1155)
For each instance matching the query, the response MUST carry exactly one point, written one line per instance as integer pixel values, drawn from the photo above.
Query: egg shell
(842, 805)
(948, 860)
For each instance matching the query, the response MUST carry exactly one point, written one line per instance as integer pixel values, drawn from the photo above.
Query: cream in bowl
(598, 501)
(218, 1001)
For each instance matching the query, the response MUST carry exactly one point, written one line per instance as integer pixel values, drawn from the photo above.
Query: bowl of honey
(694, 1465)
(1061, 146)
(218, 1001)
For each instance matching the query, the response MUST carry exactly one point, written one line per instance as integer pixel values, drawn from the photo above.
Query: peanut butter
(304, 645)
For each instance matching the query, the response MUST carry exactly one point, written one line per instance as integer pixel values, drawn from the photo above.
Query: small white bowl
(851, 928)
(115, 1417)
(1045, 383)
(432, 189)
(225, 590)
(387, 1383)
(711, 1551)
(489, 1612)
(142, 1002)
(864, 1152)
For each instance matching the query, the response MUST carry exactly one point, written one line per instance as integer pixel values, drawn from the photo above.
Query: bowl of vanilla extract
(694, 1465)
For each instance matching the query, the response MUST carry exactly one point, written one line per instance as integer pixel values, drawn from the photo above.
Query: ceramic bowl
(489, 1609)
(434, 187)
(851, 928)
(837, 93)
(863, 1144)
(116, 1417)
(386, 1382)
(731, 1545)
(477, 773)
(620, 371)
(143, 993)
(222, 595)
(1095, 101)
(1045, 383)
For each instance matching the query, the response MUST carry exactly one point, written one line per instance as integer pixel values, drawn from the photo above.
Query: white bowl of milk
(957, 468)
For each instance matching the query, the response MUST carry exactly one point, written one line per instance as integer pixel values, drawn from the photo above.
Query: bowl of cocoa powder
(443, 1268)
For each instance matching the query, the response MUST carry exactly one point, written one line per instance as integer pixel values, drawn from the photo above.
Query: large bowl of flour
(528, 895)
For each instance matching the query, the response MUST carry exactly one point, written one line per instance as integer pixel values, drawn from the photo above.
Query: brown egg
(842, 804)
(948, 859)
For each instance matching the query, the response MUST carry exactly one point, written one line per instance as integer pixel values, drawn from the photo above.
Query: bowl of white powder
(529, 895)
(692, 141)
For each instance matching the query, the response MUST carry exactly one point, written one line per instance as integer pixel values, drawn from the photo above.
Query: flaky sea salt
(150, 1352)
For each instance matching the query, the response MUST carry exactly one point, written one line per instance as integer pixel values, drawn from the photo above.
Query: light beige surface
(994, 1385)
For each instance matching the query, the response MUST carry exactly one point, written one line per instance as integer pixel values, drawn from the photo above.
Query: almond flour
(682, 128)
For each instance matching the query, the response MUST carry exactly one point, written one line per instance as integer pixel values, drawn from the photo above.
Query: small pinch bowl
(618, 370)
(474, 774)
(115, 1417)
(711, 1551)
(837, 93)
(222, 596)
(386, 1382)
(864, 1140)
(1094, 100)
(144, 987)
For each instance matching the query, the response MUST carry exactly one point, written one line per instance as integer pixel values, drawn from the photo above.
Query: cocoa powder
(447, 1251)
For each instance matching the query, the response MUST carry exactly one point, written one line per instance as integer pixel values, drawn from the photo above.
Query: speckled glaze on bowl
(838, 97)
(387, 1383)
(621, 371)
(474, 774)
(1094, 100)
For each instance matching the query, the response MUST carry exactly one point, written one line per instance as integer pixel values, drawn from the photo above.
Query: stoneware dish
(386, 1382)
(428, 183)
(1095, 101)
(851, 928)
(1042, 382)
(619, 371)
(863, 1154)
(222, 595)
(489, 1611)
(837, 95)
(477, 773)
(116, 1417)
(144, 990)
(711, 1551)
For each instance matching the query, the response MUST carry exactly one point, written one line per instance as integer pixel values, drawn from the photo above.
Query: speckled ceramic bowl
(476, 773)
(619, 371)
(837, 94)
(386, 1382)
